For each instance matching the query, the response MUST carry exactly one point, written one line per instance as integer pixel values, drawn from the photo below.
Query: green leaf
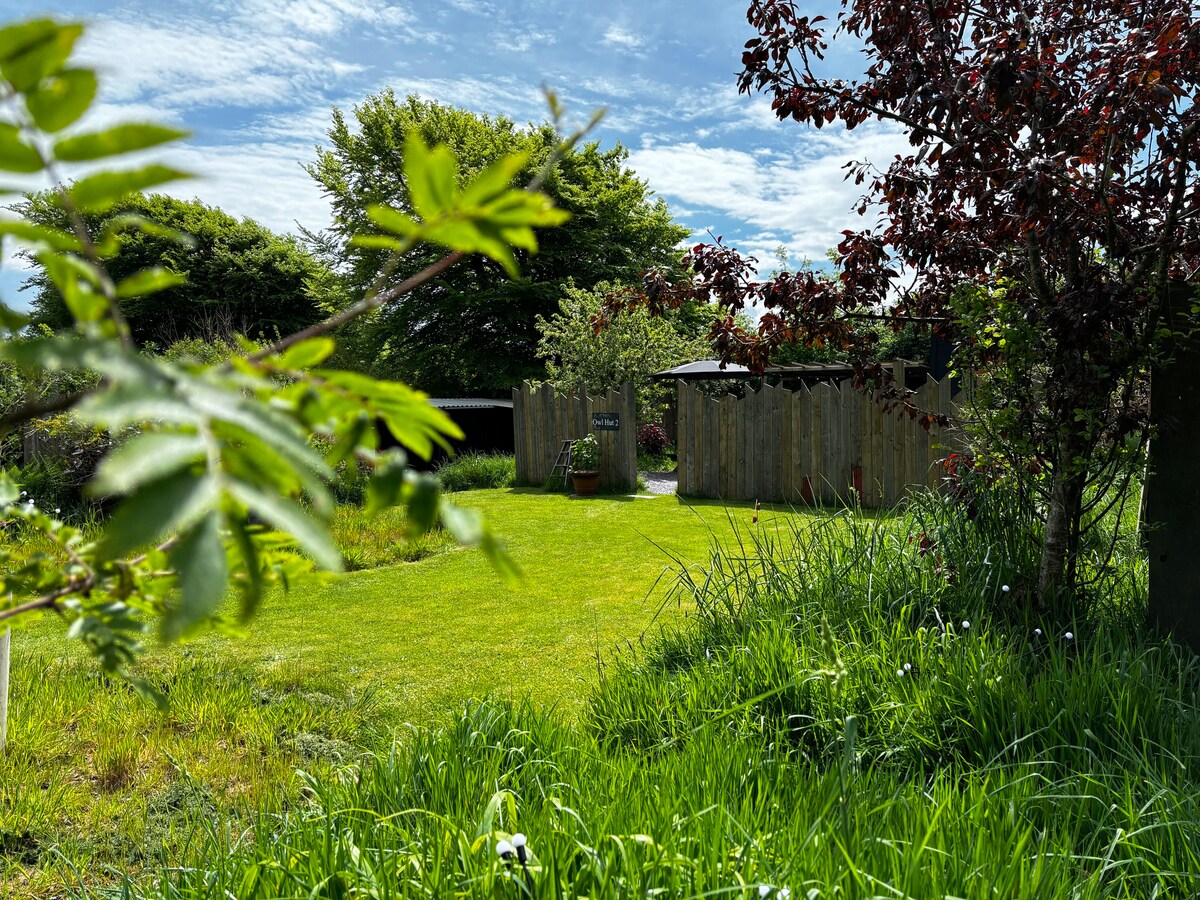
(287, 517)
(380, 241)
(306, 354)
(251, 582)
(20, 36)
(61, 100)
(15, 154)
(69, 352)
(173, 503)
(407, 413)
(9, 492)
(146, 457)
(431, 176)
(230, 406)
(424, 493)
(199, 561)
(353, 434)
(149, 281)
(11, 320)
(386, 487)
(115, 141)
(77, 281)
(39, 234)
(469, 529)
(97, 193)
(134, 403)
(30, 51)
(495, 180)
(391, 220)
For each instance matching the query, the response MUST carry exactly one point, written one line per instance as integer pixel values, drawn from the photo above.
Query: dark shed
(487, 426)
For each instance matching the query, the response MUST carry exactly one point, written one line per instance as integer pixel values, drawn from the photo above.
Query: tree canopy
(579, 358)
(473, 330)
(237, 277)
(1051, 180)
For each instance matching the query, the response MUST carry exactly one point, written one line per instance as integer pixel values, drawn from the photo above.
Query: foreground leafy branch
(216, 479)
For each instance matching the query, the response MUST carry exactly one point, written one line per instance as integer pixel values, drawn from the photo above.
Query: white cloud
(264, 181)
(319, 17)
(622, 38)
(506, 95)
(181, 67)
(801, 197)
(524, 40)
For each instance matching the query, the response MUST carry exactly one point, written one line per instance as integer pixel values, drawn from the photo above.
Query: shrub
(475, 471)
(652, 440)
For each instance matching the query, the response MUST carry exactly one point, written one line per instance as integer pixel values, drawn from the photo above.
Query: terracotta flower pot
(585, 482)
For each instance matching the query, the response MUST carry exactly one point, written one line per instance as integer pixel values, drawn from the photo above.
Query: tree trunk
(1060, 541)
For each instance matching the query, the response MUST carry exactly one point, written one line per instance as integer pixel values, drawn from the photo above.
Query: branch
(845, 94)
(365, 305)
(376, 297)
(38, 409)
(51, 600)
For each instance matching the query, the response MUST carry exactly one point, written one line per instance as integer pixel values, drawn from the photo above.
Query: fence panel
(543, 418)
(809, 445)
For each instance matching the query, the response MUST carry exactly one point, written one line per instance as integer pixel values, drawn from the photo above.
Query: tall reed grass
(474, 471)
(860, 707)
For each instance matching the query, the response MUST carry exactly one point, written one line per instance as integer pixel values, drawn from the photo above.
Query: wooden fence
(810, 445)
(544, 418)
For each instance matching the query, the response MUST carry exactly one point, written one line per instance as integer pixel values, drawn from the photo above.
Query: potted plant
(585, 465)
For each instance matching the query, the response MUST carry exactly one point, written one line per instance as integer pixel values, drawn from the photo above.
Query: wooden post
(802, 442)
(729, 453)
(739, 442)
(1172, 492)
(5, 646)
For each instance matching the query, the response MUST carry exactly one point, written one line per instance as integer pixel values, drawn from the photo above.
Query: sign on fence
(543, 418)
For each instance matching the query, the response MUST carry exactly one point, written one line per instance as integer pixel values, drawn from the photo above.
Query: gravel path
(661, 482)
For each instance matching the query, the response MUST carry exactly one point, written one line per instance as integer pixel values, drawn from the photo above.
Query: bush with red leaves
(652, 440)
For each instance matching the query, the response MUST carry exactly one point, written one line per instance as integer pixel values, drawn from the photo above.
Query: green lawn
(431, 634)
(91, 768)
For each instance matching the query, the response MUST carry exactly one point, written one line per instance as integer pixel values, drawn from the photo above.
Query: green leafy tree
(220, 484)
(234, 277)
(473, 330)
(635, 346)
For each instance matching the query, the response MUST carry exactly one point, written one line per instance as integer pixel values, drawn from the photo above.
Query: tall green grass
(370, 540)
(857, 708)
(474, 471)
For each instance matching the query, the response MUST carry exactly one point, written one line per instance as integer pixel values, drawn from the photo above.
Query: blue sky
(255, 81)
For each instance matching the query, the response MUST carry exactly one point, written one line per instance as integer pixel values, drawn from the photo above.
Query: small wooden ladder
(564, 460)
